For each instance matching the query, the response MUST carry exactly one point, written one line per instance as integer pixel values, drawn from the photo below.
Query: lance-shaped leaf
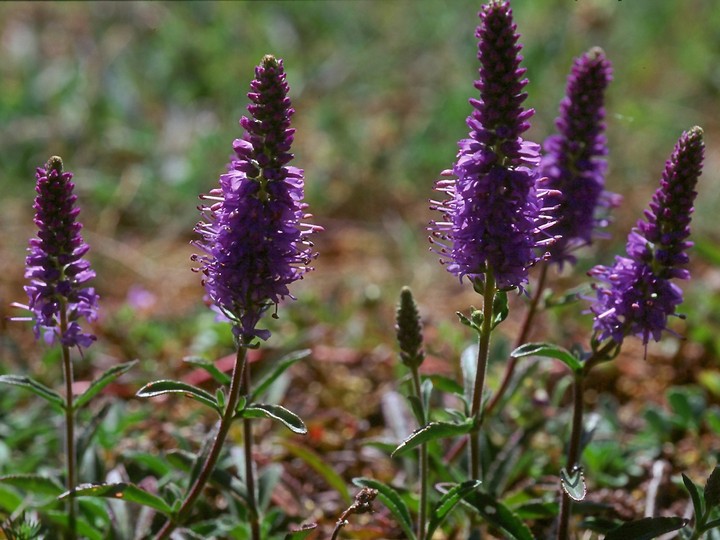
(83, 528)
(39, 389)
(315, 462)
(712, 488)
(275, 412)
(101, 382)
(573, 483)
(221, 479)
(549, 350)
(158, 388)
(122, 491)
(209, 367)
(283, 364)
(694, 495)
(392, 500)
(33, 483)
(432, 431)
(447, 502)
(646, 528)
(498, 514)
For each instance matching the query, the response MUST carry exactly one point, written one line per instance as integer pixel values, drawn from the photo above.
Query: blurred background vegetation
(142, 101)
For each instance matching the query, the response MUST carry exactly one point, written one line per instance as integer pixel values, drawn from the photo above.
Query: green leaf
(209, 367)
(83, 528)
(432, 431)
(121, 491)
(694, 495)
(48, 394)
(549, 350)
(184, 461)
(573, 484)
(101, 382)
(154, 463)
(33, 483)
(275, 412)
(712, 488)
(202, 456)
(447, 502)
(417, 409)
(446, 384)
(392, 500)
(646, 528)
(320, 466)
(303, 532)
(498, 514)
(500, 308)
(9, 499)
(158, 388)
(283, 364)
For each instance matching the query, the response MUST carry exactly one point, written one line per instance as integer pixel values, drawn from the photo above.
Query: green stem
(482, 360)
(521, 340)
(249, 473)
(69, 429)
(225, 423)
(573, 452)
(424, 469)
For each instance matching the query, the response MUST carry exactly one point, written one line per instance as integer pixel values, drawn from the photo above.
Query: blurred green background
(142, 100)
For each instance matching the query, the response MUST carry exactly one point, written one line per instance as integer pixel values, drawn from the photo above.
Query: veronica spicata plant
(636, 295)
(254, 243)
(60, 301)
(492, 213)
(573, 170)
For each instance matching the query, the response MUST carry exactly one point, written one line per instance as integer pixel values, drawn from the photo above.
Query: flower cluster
(253, 240)
(491, 214)
(55, 265)
(574, 163)
(638, 296)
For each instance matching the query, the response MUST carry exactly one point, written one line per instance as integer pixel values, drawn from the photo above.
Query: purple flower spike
(253, 240)
(491, 214)
(574, 163)
(55, 265)
(639, 297)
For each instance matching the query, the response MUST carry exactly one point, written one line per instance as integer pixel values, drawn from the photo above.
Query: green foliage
(159, 388)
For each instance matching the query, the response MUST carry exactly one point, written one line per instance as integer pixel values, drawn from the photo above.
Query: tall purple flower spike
(253, 240)
(55, 265)
(491, 214)
(638, 296)
(574, 163)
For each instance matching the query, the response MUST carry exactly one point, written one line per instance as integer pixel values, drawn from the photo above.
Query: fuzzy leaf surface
(101, 382)
(275, 412)
(646, 528)
(392, 500)
(499, 515)
(432, 431)
(549, 350)
(448, 502)
(158, 388)
(39, 389)
(121, 491)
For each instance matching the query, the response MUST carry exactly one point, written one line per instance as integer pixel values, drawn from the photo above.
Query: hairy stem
(522, 338)
(482, 360)
(225, 423)
(573, 457)
(70, 457)
(422, 514)
(249, 472)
